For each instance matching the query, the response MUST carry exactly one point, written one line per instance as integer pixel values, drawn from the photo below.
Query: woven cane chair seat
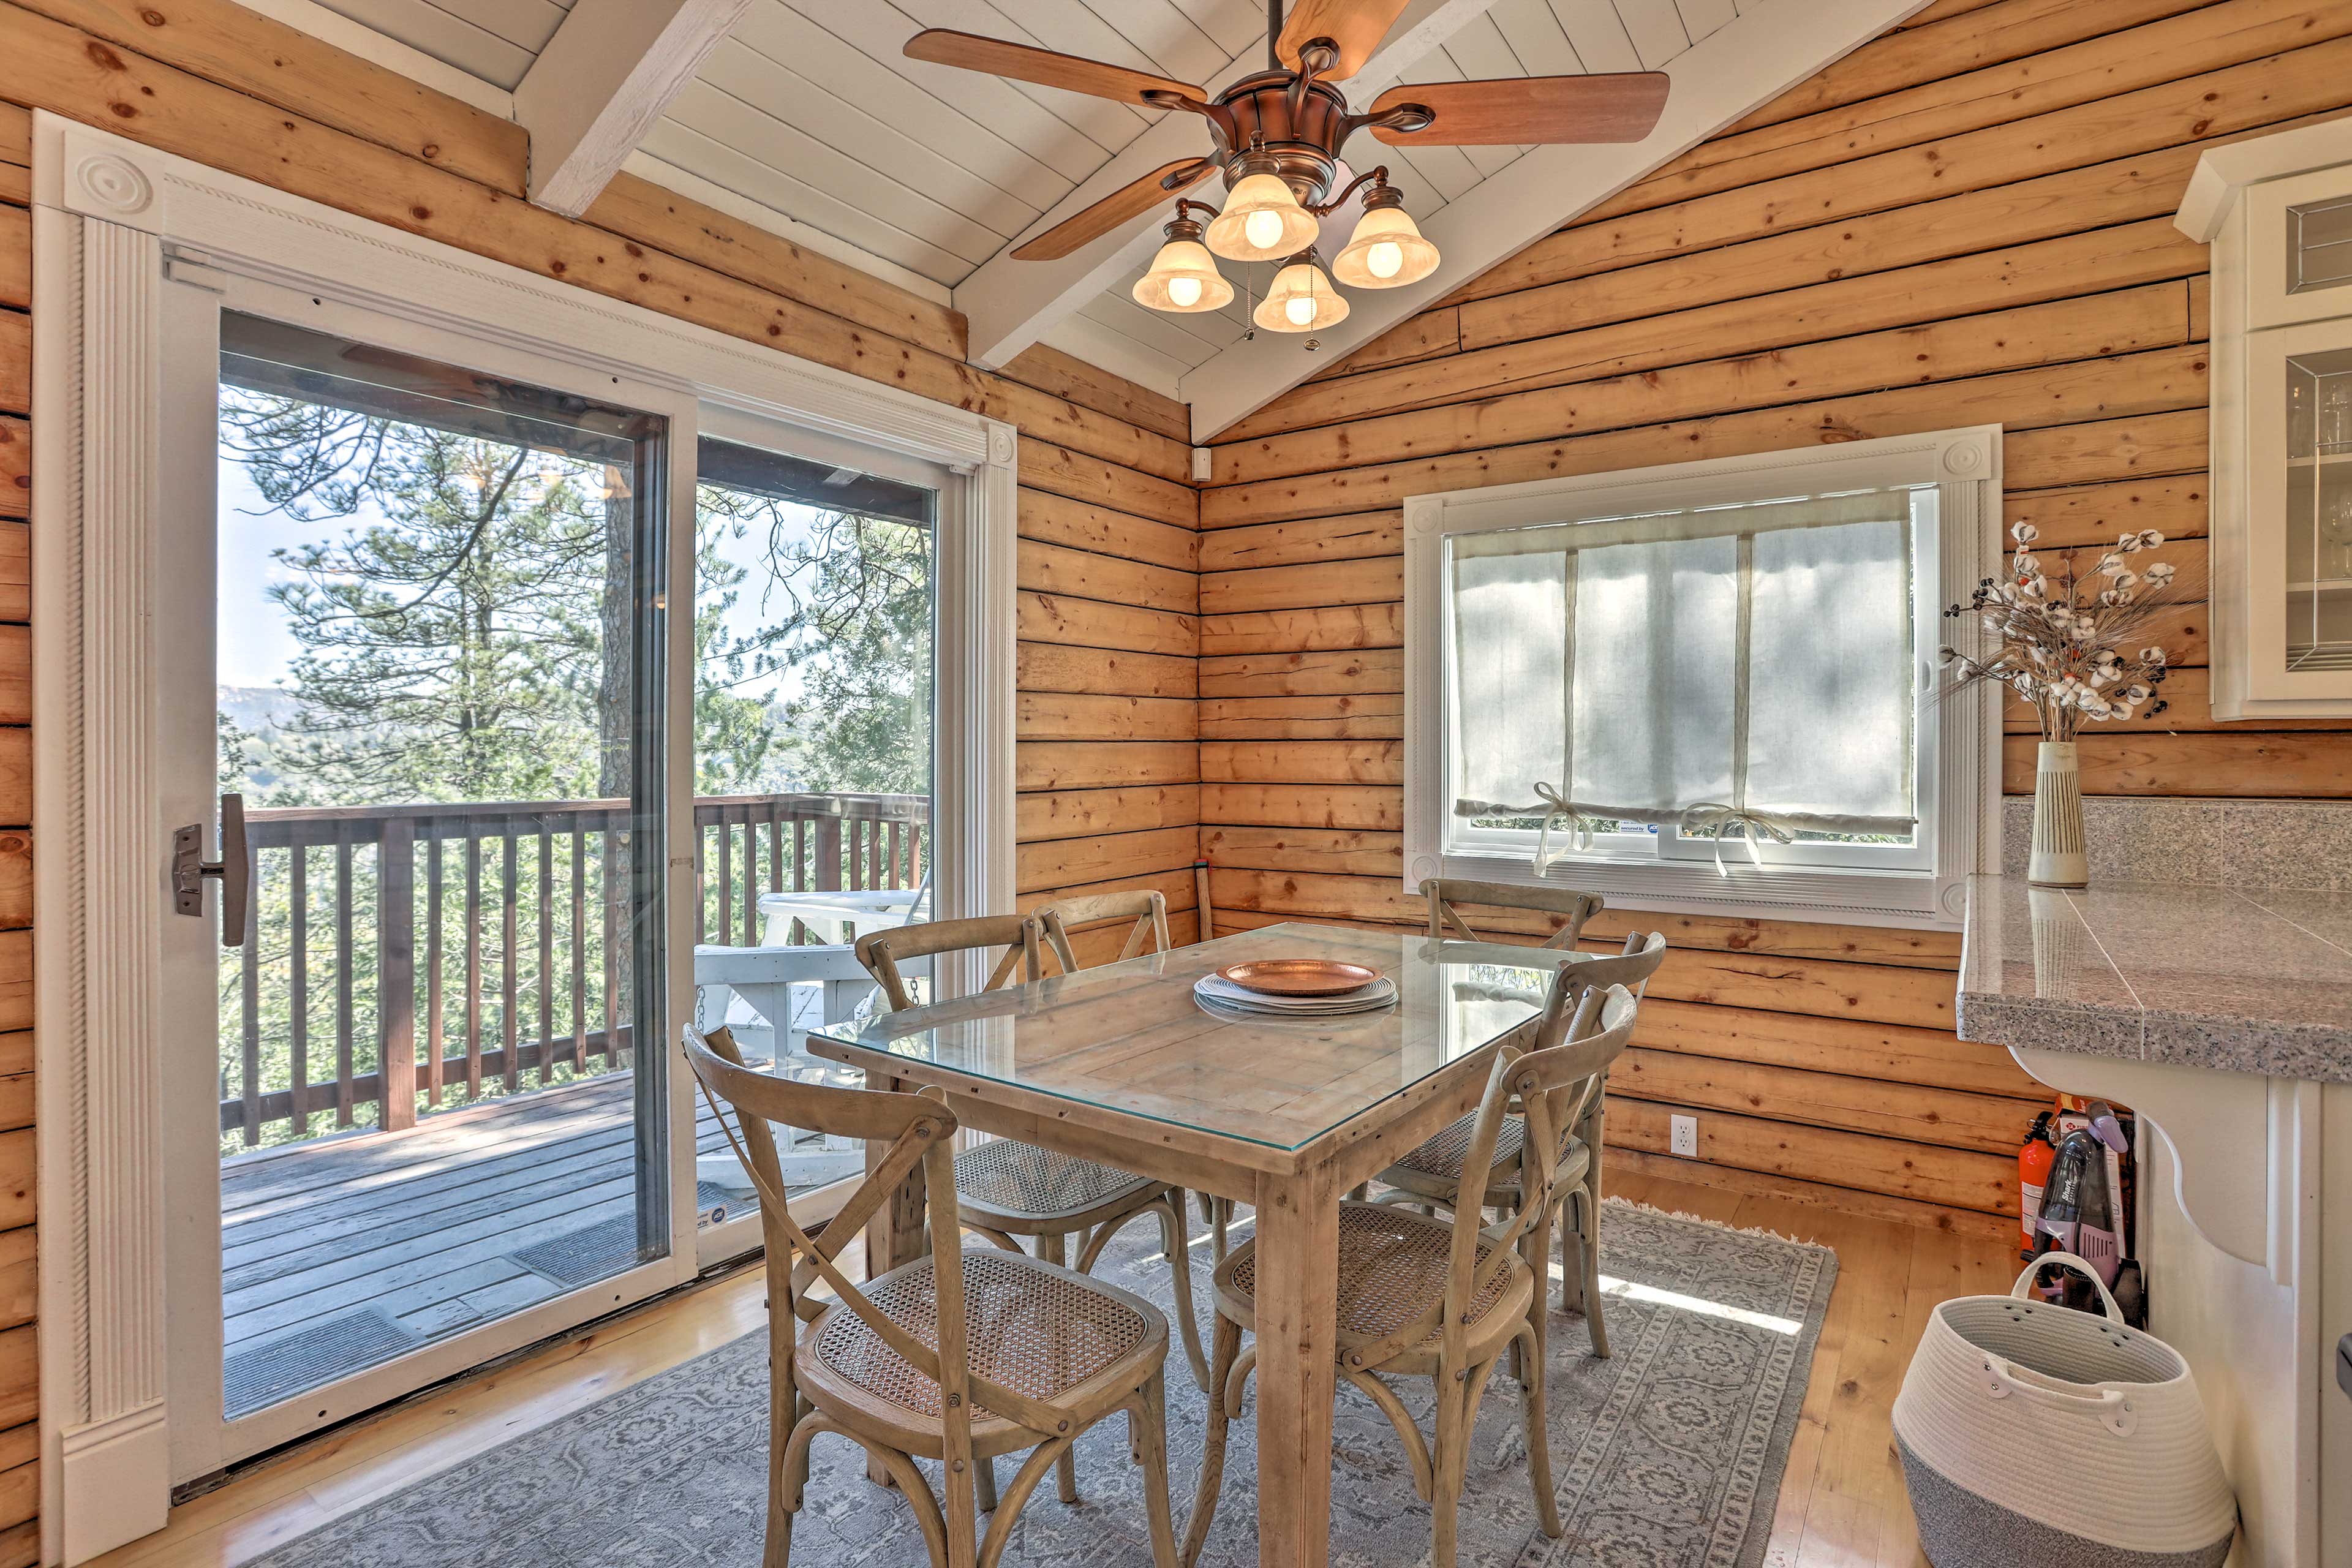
(1391, 1270)
(1017, 1178)
(1441, 1157)
(1038, 1331)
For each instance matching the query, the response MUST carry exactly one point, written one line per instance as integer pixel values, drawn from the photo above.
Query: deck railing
(398, 959)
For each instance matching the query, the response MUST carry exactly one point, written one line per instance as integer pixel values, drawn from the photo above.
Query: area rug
(1668, 1454)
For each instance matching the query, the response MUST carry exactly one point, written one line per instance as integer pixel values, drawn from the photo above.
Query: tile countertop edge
(1997, 962)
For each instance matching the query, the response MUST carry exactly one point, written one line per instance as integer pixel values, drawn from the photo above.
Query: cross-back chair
(1422, 1295)
(1007, 1188)
(1444, 894)
(1147, 906)
(940, 1358)
(1433, 1172)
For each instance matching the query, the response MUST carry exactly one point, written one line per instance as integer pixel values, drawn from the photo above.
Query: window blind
(1733, 671)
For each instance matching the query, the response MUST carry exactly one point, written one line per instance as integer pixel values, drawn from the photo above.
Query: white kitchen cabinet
(2278, 214)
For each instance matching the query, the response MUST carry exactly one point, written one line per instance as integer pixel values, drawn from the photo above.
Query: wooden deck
(345, 1251)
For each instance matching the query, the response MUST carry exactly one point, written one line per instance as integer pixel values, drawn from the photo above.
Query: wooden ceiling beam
(608, 73)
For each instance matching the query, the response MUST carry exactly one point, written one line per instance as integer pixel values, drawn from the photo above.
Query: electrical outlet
(1683, 1133)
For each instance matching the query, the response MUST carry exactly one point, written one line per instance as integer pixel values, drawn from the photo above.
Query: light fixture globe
(1262, 221)
(1301, 298)
(1183, 277)
(1387, 250)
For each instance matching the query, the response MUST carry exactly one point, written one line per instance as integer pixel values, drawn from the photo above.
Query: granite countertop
(2242, 979)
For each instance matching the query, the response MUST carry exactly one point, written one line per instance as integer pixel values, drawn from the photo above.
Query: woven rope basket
(2033, 1432)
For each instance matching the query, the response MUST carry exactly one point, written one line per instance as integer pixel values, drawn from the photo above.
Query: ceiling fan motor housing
(1271, 129)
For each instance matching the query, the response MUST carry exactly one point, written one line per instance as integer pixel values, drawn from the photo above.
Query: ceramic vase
(2058, 860)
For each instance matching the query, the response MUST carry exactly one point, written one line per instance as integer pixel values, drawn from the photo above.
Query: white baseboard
(110, 1469)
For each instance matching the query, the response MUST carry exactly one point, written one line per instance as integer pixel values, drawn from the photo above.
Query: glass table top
(1130, 1037)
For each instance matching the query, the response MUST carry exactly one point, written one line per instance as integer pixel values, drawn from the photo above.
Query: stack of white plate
(1220, 994)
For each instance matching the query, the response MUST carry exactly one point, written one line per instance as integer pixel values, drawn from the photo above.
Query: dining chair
(956, 1357)
(1431, 1172)
(1147, 906)
(1421, 1296)
(1007, 1188)
(1443, 893)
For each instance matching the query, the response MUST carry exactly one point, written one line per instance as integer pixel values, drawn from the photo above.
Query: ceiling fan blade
(1355, 26)
(1129, 200)
(970, 51)
(1517, 110)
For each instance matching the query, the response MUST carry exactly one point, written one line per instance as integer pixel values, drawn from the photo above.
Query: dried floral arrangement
(2057, 636)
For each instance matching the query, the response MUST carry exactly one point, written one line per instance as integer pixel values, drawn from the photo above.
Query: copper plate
(1298, 976)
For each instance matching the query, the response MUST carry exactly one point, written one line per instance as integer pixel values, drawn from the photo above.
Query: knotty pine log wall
(19, 1377)
(1967, 220)
(1106, 764)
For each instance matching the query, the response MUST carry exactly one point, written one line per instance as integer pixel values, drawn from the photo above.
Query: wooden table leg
(895, 1233)
(1297, 1335)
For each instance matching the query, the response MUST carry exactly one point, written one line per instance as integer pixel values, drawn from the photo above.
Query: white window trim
(110, 216)
(1964, 465)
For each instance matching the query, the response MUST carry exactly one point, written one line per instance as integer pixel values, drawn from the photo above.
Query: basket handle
(2106, 1298)
(2112, 1406)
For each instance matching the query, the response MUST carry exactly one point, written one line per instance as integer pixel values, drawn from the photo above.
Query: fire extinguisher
(2034, 1158)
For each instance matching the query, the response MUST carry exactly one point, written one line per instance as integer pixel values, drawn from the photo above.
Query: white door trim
(108, 212)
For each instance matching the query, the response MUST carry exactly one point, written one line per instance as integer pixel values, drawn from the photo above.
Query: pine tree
(853, 604)
(450, 639)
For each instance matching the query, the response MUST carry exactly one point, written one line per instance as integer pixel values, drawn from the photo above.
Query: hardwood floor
(1841, 1505)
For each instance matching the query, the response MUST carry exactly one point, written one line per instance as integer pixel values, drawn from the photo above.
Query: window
(1708, 686)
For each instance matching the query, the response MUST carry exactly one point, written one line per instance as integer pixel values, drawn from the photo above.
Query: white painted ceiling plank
(682, 146)
(382, 48)
(767, 219)
(1478, 52)
(880, 32)
(1161, 31)
(601, 81)
(1701, 18)
(1421, 29)
(848, 73)
(1536, 37)
(1162, 331)
(1773, 46)
(1234, 25)
(1599, 34)
(752, 130)
(1109, 125)
(526, 24)
(477, 51)
(859, 129)
(1122, 355)
(1448, 170)
(1072, 28)
(1656, 29)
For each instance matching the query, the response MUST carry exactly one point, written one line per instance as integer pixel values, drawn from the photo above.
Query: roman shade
(1737, 671)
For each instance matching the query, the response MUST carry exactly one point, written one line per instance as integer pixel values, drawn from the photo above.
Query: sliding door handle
(235, 869)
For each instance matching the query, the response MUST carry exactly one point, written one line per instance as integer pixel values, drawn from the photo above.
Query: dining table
(1124, 1063)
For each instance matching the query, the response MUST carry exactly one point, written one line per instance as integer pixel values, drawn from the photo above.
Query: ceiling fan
(1277, 135)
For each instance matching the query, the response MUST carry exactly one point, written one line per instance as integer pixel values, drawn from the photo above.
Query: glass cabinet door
(2299, 249)
(2317, 586)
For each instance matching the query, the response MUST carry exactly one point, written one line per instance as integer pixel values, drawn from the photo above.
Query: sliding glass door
(428, 1105)
(817, 631)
